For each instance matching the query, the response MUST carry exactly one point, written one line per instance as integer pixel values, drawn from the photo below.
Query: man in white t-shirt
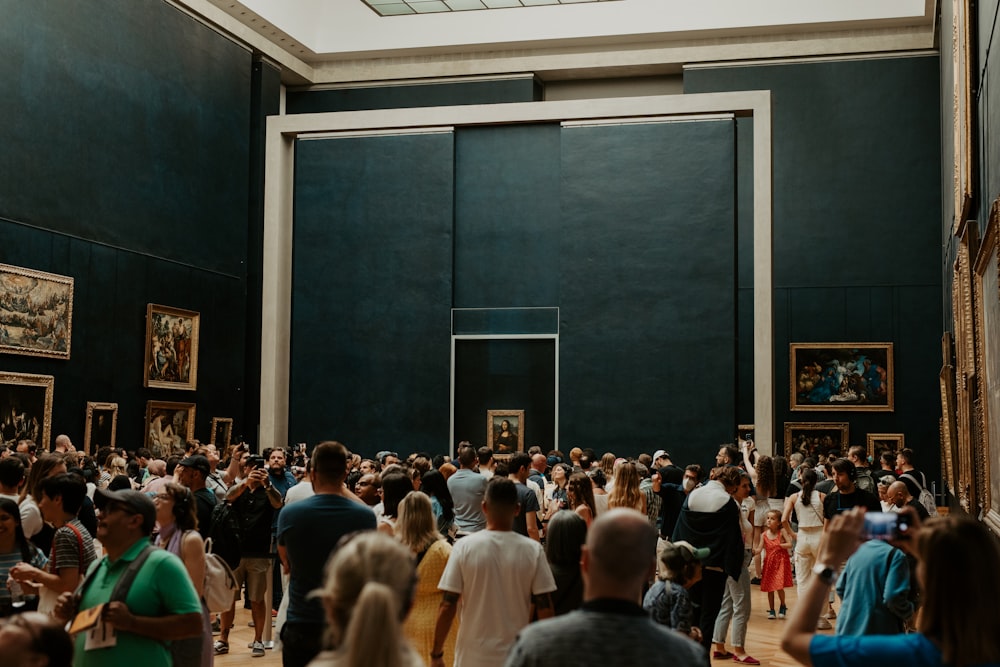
(498, 575)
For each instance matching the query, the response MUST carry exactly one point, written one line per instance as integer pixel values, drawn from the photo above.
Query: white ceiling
(330, 41)
(349, 27)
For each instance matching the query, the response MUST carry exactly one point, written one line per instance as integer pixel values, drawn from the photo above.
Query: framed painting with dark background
(169, 426)
(36, 312)
(26, 408)
(222, 433)
(816, 438)
(505, 431)
(101, 428)
(880, 441)
(841, 376)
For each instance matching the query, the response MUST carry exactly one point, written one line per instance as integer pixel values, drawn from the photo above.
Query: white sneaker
(257, 650)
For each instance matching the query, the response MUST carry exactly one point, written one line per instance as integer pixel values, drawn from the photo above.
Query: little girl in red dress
(777, 571)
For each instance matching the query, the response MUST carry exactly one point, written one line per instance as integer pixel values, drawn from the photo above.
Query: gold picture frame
(36, 312)
(514, 440)
(169, 425)
(222, 433)
(817, 437)
(101, 427)
(841, 377)
(949, 436)
(26, 408)
(962, 112)
(966, 384)
(986, 447)
(891, 441)
(171, 357)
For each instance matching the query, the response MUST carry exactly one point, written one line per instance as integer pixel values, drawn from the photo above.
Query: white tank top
(811, 515)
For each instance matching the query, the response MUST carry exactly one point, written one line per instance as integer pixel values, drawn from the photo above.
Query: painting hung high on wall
(816, 438)
(26, 408)
(878, 442)
(171, 348)
(36, 312)
(505, 431)
(169, 426)
(841, 376)
(101, 426)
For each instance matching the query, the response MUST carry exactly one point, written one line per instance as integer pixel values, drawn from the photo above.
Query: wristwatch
(826, 574)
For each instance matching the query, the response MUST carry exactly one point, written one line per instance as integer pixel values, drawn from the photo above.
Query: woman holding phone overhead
(957, 562)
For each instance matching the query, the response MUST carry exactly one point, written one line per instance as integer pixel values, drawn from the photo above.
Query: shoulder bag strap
(124, 583)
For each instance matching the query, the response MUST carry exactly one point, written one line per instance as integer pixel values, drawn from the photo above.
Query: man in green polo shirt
(161, 605)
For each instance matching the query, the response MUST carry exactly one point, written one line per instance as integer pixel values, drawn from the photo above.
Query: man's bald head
(621, 550)
(158, 467)
(898, 494)
(538, 462)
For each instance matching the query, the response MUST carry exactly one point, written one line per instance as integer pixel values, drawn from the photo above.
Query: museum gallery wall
(124, 184)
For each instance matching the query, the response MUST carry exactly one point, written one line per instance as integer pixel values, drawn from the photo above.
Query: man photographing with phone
(254, 502)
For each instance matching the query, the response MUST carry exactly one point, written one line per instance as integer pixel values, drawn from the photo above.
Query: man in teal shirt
(161, 604)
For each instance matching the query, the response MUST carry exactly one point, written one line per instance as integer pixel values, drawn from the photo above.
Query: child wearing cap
(667, 600)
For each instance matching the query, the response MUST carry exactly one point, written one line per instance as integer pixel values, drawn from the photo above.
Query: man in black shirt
(192, 473)
(254, 501)
(847, 495)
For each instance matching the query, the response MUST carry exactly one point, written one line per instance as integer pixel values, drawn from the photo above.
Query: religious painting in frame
(101, 428)
(505, 431)
(841, 376)
(26, 408)
(879, 442)
(986, 448)
(222, 433)
(36, 312)
(171, 348)
(169, 426)
(966, 384)
(816, 438)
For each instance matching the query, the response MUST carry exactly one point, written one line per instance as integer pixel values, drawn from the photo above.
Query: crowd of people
(527, 558)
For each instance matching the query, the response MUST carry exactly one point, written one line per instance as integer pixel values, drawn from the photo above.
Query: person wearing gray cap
(192, 473)
(159, 606)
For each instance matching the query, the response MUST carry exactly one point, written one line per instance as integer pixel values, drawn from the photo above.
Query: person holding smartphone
(957, 563)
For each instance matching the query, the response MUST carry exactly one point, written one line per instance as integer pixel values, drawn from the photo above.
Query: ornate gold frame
(794, 367)
(31, 380)
(93, 407)
(986, 447)
(873, 439)
(505, 414)
(961, 61)
(221, 421)
(67, 283)
(948, 431)
(966, 384)
(843, 428)
(152, 406)
(192, 382)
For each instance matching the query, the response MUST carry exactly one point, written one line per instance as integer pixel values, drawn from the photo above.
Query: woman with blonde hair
(626, 491)
(607, 465)
(367, 592)
(957, 561)
(417, 529)
(114, 467)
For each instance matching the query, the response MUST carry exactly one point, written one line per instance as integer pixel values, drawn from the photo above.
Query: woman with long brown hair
(580, 494)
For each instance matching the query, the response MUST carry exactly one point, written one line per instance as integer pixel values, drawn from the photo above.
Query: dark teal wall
(523, 89)
(857, 212)
(126, 145)
(628, 230)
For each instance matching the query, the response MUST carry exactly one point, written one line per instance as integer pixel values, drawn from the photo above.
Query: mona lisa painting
(505, 431)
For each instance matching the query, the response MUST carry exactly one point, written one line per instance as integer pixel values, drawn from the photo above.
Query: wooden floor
(763, 639)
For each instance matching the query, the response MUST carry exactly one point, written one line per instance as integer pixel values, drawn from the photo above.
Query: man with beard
(281, 478)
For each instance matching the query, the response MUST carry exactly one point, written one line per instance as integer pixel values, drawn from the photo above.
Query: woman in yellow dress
(417, 529)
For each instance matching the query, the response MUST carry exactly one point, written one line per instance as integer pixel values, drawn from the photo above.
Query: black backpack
(226, 534)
